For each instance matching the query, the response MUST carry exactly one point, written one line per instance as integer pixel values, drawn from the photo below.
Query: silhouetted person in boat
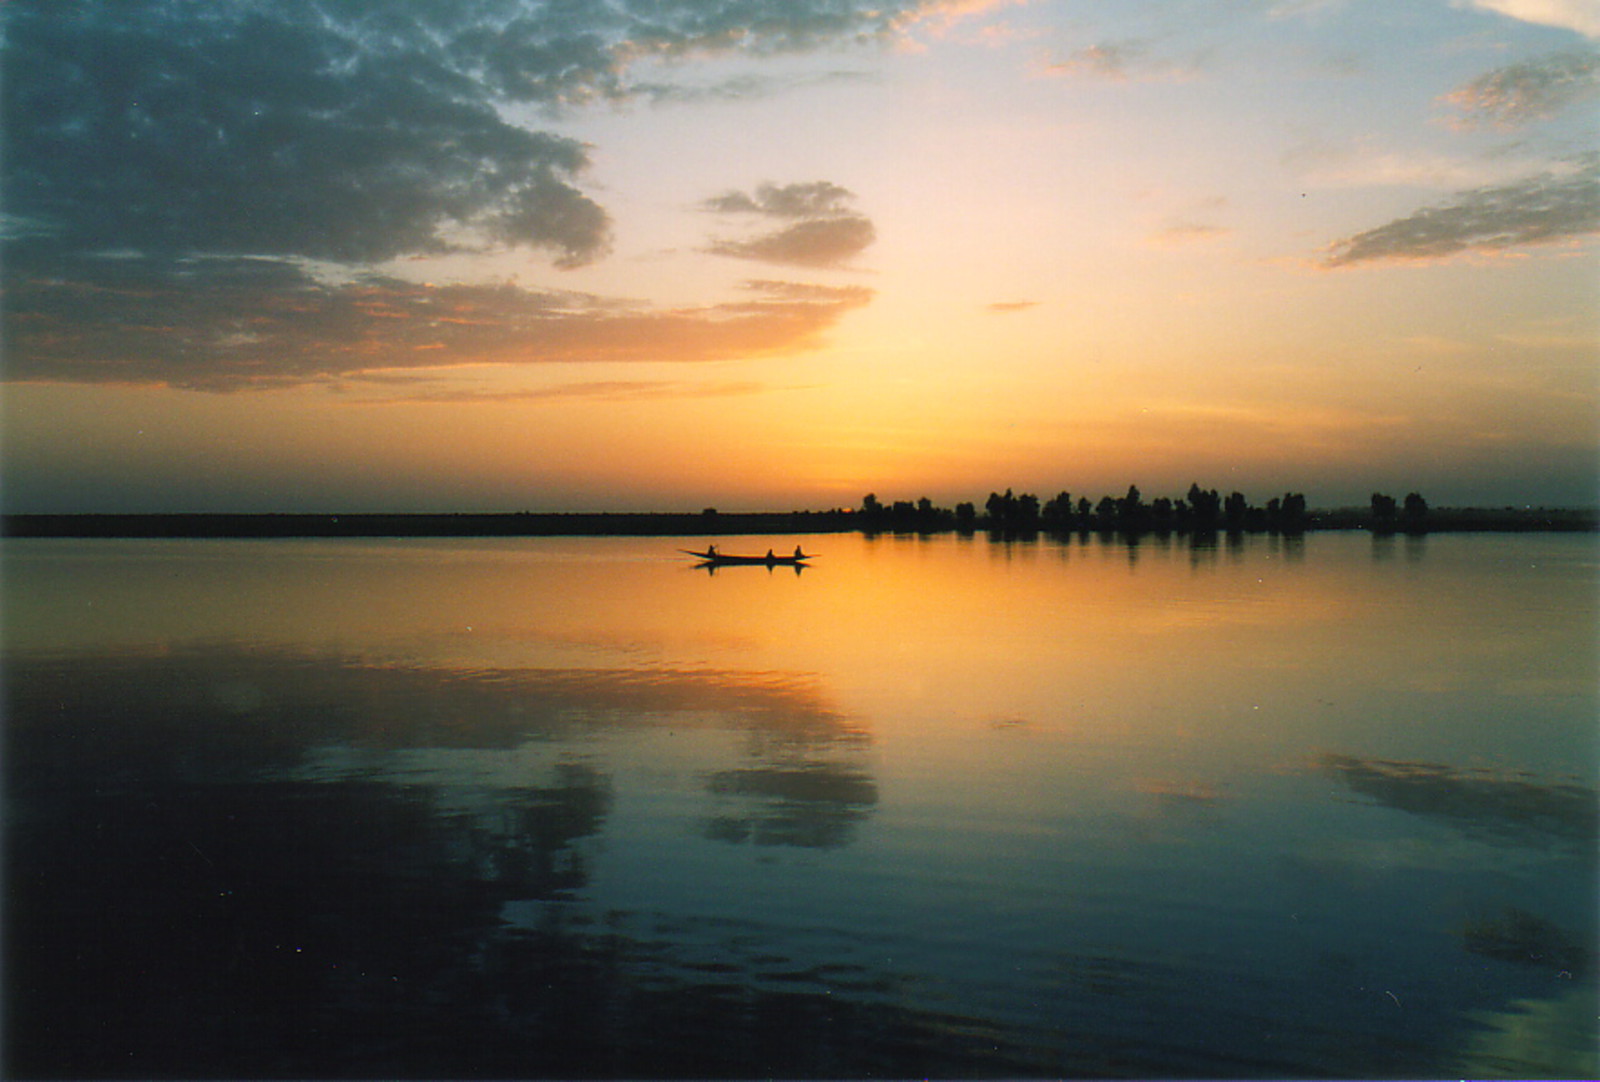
(798, 555)
(711, 551)
(770, 556)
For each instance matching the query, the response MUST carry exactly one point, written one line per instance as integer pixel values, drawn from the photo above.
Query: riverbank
(597, 524)
(671, 524)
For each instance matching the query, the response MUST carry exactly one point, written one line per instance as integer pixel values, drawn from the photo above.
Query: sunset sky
(332, 255)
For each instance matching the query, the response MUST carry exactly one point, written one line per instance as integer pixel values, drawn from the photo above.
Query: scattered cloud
(1580, 16)
(1193, 224)
(600, 390)
(816, 199)
(221, 150)
(354, 133)
(1521, 93)
(1180, 233)
(1121, 60)
(1544, 209)
(1111, 60)
(826, 242)
(237, 324)
(267, 132)
(825, 231)
(747, 87)
(1360, 163)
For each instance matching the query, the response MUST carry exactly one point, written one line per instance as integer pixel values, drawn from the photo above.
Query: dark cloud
(816, 199)
(1545, 209)
(216, 148)
(1532, 90)
(827, 242)
(826, 230)
(154, 127)
(741, 87)
(343, 130)
(233, 324)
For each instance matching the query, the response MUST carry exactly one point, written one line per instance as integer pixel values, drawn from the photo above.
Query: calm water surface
(932, 807)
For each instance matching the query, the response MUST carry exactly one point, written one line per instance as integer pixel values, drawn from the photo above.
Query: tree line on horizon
(1197, 511)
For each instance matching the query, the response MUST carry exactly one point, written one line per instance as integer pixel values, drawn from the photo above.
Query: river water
(1262, 807)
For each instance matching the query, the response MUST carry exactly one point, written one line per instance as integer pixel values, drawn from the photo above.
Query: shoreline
(701, 524)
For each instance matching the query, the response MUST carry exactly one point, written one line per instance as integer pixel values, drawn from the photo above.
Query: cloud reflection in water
(1490, 807)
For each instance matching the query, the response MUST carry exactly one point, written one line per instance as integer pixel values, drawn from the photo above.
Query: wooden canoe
(720, 558)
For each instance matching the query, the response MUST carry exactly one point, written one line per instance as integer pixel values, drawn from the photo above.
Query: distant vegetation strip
(1005, 514)
(521, 524)
(1204, 511)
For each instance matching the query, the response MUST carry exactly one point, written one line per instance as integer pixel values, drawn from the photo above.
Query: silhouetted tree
(1105, 513)
(1204, 506)
(1058, 510)
(1292, 512)
(1131, 508)
(1085, 508)
(1235, 508)
(1001, 509)
(1013, 512)
(966, 516)
(1415, 512)
(1161, 512)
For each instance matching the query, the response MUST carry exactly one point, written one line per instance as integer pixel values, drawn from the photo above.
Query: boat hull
(720, 560)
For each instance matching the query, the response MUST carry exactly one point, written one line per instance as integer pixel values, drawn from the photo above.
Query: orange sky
(436, 257)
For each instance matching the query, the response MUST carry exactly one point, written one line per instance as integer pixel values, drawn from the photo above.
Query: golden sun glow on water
(1045, 790)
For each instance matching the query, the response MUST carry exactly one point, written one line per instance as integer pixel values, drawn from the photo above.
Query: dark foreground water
(945, 807)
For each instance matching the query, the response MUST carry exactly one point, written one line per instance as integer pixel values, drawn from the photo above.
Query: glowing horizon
(440, 257)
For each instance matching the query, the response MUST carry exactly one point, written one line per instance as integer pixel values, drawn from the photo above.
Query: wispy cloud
(1522, 93)
(1580, 16)
(1544, 209)
(1118, 60)
(221, 148)
(747, 87)
(825, 231)
(1109, 60)
(1362, 163)
(228, 325)
(1175, 234)
(1001, 308)
(593, 390)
